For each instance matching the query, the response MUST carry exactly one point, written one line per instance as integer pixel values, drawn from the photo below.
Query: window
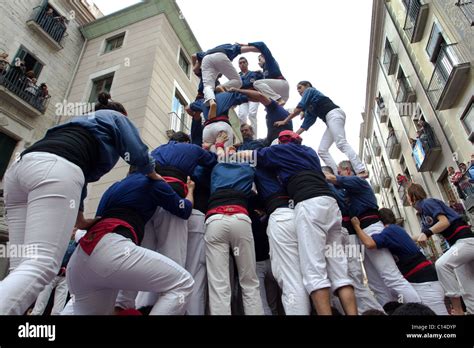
(467, 117)
(404, 91)
(114, 43)
(7, 144)
(31, 63)
(390, 58)
(101, 84)
(434, 43)
(184, 63)
(179, 121)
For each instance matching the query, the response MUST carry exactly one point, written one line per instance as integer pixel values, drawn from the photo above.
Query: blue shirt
(359, 193)
(267, 183)
(249, 78)
(397, 240)
(276, 112)
(341, 198)
(235, 176)
(288, 160)
(253, 144)
(431, 208)
(231, 51)
(271, 69)
(144, 195)
(183, 156)
(315, 104)
(225, 101)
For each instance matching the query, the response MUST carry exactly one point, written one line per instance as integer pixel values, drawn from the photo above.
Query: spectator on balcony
(59, 28)
(470, 171)
(31, 89)
(427, 133)
(455, 178)
(3, 63)
(391, 139)
(402, 181)
(412, 142)
(380, 102)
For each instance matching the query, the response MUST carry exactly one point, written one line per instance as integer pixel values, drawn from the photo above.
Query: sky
(325, 42)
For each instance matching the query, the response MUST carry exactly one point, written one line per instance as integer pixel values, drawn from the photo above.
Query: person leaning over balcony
(411, 262)
(45, 189)
(317, 218)
(109, 257)
(315, 104)
(456, 266)
(384, 277)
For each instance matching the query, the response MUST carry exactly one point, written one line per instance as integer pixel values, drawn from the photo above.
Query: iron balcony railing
(415, 19)
(385, 179)
(393, 147)
(14, 79)
(467, 8)
(451, 64)
(405, 93)
(53, 25)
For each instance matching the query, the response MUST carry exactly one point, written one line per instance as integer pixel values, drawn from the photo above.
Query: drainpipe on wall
(76, 68)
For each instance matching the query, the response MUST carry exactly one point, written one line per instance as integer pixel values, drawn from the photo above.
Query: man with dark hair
(248, 111)
(180, 137)
(413, 309)
(384, 277)
(249, 141)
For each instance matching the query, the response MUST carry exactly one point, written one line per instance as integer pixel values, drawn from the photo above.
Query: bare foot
(212, 109)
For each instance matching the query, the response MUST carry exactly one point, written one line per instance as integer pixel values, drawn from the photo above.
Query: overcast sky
(323, 41)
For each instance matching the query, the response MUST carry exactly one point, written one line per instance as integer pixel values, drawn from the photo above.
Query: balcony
(385, 179)
(49, 25)
(376, 147)
(19, 90)
(402, 192)
(449, 78)
(405, 94)
(381, 110)
(415, 20)
(375, 186)
(367, 157)
(467, 8)
(426, 152)
(390, 59)
(393, 147)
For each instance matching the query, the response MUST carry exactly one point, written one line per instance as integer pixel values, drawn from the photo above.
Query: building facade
(40, 43)
(419, 117)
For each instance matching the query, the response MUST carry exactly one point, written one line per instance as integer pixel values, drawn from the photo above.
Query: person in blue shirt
(248, 139)
(228, 227)
(365, 299)
(47, 183)
(109, 257)
(275, 112)
(220, 123)
(385, 279)
(248, 111)
(315, 104)
(273, 85)
(411, 262)
(456, 266)
(210, 64)
(319, 221)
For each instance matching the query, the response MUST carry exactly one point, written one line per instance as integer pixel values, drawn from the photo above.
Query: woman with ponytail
(45, 189)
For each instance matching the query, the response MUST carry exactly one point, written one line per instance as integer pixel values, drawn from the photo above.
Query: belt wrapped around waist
(457, 230)
(275, 201)
(368, 218)
(227, 198)
(347, 224)
(175, 178)
(218, 119)
(308, 184)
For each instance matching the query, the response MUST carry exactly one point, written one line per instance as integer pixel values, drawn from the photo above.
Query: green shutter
(7, 145)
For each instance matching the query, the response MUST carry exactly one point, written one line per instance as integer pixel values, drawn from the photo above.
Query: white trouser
(268, 287)
(59, 285)
(196, 263)
(274, 89)
(210, 132)
(335, 133)
(432, 295)
(355, 254)
(319, 234)
(456, 271)
(166, 234)
(68, 308)
(42, 198)
(117, 263)
(249, 111)
(285, 260)
(381, 261)
(235, 231)
(214, 64)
